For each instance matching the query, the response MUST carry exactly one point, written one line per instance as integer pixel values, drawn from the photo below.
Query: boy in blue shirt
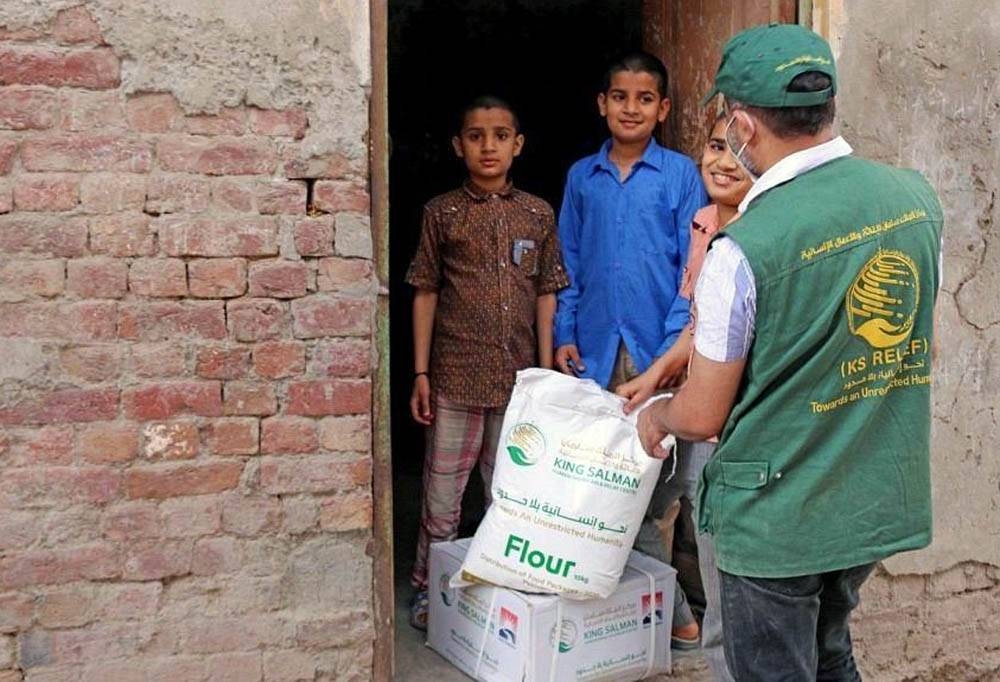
(624, 227)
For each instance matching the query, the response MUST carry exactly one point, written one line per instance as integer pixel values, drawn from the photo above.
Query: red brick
(334, 630)
(28, 108)
(76, 25)
(346, 434)
(161, 401)
(216, 155)
(279, 359)
(216, 555)
(288, 435)
(46, 193)
(154, 560)
(171, 669)
(234, 436)
(333, 196)
(341, 358)
(162, 321)
(153, 112)
(288, 123)
(21, 34)
(97, 69)
(82, 152)
(243, 236)
(122, 235)
(92, 363)
(329, 397)
(97, 278)
(184, 479)
(174, 440)
(255, 319)
(250, 516)
(235, 667)
(351, 276)
(8, 149)
(118, 643)
(314, 236)
(229, 121)
(16, 610)
(158, 360)
(281, 196)
(248, 399)
(128, 521)
(43, 235)
(190, 516)
(233, 195)
(106, 193)
(313, 474)
(65, 607)
(20, 279)
(84, 321)
(51, 486)
(217, 277)
(45, 445)
(50, 567)
(222, 362)
(279, 278)
(110, 442)
(334, 166)
(158, 277)
(86, 111)
(63, 405)
(353, 235)
(318, 316)
(346, 511)
(177, 194)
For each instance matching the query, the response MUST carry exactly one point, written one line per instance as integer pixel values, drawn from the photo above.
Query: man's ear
(663, 110)
(456, 144)
(745, 124)
(518, 144)
(602, 105)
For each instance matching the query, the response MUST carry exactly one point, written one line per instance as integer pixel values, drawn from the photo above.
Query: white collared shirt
(725, 295)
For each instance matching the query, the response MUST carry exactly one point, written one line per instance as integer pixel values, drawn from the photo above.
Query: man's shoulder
(445, 203)
(532, 204)
(582, 167)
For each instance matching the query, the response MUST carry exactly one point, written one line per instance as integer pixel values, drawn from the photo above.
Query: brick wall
(186, 306)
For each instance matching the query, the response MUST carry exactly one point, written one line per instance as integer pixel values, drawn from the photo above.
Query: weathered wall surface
(186, 307)
(921, 88)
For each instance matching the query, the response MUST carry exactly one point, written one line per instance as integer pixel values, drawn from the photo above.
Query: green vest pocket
(746, 475)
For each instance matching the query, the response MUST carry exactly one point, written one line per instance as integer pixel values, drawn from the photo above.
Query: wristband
(417, 374)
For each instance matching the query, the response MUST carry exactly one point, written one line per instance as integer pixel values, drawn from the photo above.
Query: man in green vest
(812, 364)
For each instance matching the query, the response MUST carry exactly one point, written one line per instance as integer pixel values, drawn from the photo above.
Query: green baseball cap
(759, 63)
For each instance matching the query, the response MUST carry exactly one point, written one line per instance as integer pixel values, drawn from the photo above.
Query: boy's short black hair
(639, 62)
(487, 102)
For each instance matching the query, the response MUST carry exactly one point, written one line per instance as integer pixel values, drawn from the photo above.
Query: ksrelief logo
(525, 444)
(444, 584)
(568, 634)
(882, 302)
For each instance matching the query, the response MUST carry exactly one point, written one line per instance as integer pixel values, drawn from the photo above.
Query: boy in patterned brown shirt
(486, 273)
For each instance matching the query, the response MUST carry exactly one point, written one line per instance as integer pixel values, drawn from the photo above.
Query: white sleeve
(726, 304)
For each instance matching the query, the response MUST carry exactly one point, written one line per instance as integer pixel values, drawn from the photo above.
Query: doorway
(546, 57)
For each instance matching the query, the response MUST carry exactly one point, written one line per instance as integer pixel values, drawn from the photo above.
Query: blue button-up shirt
(624, 248)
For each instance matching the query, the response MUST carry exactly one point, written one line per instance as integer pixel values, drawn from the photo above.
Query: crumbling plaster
(920, 87)
(313, 54)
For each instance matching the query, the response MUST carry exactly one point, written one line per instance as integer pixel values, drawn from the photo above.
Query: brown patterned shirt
(489, 255)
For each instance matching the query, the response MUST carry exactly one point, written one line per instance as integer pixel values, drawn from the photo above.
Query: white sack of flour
(570, 489)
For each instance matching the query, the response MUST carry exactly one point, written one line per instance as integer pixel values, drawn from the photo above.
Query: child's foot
(418, 610)
(685, 637)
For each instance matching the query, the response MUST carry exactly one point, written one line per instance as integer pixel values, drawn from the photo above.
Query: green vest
(824, 462)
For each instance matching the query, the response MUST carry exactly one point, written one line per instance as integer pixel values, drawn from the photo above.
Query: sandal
(418, 610)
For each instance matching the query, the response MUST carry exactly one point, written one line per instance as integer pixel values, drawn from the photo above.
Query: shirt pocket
(524, 255)
(655, 231)
(745, 475)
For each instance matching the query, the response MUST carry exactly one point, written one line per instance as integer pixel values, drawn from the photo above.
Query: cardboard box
(601, 639)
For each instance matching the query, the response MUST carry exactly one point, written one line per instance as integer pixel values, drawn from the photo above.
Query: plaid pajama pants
(458, 438)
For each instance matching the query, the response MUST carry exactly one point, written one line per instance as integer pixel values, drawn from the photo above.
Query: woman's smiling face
(725, 180)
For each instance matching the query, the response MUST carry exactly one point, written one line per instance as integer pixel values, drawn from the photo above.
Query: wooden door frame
(823, 16)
